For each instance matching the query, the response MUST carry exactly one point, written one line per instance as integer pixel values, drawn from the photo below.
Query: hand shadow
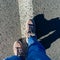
(44, 26)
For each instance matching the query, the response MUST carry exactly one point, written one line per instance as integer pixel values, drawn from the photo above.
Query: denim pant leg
(35, 50)
(14, 58)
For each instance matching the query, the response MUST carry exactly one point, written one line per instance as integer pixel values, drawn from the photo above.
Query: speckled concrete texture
(50, 8)
(15, 13)
(9, 26)
(26, 13)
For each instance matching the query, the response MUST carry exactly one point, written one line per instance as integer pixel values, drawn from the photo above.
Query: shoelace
(19, 51)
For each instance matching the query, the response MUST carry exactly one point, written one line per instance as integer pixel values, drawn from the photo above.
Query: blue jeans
(35, 51)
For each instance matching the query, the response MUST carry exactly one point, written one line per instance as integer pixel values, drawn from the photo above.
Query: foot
(30, 29)
(18, 48)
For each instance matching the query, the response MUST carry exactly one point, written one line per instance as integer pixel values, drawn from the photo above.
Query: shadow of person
(44, 27)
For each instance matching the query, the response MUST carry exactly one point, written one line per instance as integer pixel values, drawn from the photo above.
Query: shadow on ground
(44, 26)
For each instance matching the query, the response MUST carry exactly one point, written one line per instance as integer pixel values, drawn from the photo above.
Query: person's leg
(18, 51)
(35, 50)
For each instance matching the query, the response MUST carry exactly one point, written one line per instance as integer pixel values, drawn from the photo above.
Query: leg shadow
(44, 26)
